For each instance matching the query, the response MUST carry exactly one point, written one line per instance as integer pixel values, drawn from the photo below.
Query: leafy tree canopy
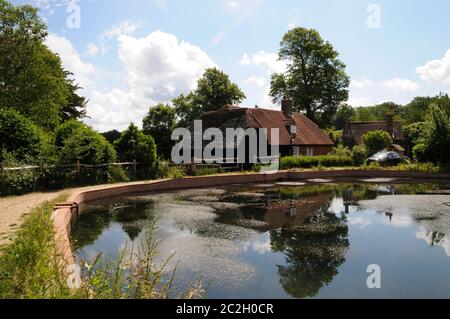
(214, 90)
(159, 123)
(315, 77)
(377, 140)
(32, 80)
(77, 141)
(19, 136)
(133, 144)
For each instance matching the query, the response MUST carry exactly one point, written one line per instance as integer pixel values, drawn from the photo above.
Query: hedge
(314, 161)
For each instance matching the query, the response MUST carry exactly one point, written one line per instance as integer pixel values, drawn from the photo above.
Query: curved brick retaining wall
(65, 215)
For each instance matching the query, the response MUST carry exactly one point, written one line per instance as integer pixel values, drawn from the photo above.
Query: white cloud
(259, 81)
(92, 49)
(126, 27)
(268, 61)
(160, 65)
(436, 71)
(402, 85)
(71, 59)
(158, 68)
(361, 83)
(245, 60)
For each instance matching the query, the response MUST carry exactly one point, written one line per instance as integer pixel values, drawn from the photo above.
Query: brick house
(298, 135)
(354, 131)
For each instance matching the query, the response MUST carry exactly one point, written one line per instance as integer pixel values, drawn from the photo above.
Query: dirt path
(13, 209)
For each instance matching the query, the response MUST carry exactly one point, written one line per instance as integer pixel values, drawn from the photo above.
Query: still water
(288, 240)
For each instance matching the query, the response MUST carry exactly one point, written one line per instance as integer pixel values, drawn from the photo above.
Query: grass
(30, 268)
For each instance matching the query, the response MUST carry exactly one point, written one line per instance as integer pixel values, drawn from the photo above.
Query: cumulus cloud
(126, 27)
(436, 71)
(92, 49)
(71, 59)
(259, 81)
(158, 68)
(361, 83)
(268, 61)
(402, 85)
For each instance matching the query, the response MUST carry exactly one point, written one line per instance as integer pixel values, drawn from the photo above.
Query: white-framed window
(296, 150)
(309, 151)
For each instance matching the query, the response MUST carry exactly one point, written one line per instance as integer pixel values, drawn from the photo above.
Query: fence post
(2, 168)
(135, 168)
(78, 167)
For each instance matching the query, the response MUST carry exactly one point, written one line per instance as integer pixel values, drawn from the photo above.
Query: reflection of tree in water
(314, 251)
(133, 216)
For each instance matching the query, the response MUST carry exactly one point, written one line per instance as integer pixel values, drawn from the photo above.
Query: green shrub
(175, 172)
(359, 155)
(437, 140)
(419, 152)
(377, 140)
(341, 150)
(414, 134)
(76, 141)
(20, 136)
(315, 161)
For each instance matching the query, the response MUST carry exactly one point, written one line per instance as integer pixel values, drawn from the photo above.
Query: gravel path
(13, 209)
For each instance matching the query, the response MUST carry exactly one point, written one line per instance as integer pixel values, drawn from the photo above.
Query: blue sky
(129, 55)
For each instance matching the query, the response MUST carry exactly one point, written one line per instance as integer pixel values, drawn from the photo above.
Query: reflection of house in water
(269, 213)
(294, 212)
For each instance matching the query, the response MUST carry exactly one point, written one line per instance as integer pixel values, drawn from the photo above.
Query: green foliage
(133, 144)
(359, 155)
(32, 79)
(414, 134)
(29, 266)
(76, 141)
(315, 161)
(20, 136)
(418, 109)
(437, 140)
(159, 124)
(214, 91)
(343, 114)
(315, 77)
(377, 112)
(75, 108)
(112, 136)
(341, 150)
(175, 172)
(377, 140)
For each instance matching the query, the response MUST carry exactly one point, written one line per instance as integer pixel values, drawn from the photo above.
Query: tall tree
(75, 108)
(32, 79)
(133, 144)
(159, 123)
(315, 77)
(344, 113)
(214, 90)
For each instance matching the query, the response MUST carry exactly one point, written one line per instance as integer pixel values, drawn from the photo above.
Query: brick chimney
(287, 106)
(390, 125)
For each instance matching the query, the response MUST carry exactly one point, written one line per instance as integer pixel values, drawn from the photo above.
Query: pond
(288, 240)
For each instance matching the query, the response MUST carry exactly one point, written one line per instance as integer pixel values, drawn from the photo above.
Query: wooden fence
(191, 167)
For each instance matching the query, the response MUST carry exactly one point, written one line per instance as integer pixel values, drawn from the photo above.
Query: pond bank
(64, 217)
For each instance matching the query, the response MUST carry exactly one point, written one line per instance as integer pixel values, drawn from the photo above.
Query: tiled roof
(308, 133)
